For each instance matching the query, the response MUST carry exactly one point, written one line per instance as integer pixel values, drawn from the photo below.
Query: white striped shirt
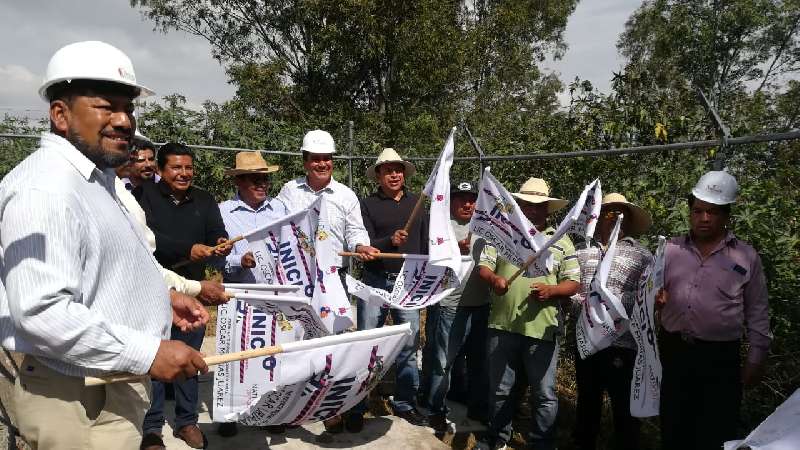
(80, 289)
(344, 211)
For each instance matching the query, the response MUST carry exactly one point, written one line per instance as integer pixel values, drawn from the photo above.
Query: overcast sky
(31, 31)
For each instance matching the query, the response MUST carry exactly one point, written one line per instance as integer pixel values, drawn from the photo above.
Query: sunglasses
(611, 213)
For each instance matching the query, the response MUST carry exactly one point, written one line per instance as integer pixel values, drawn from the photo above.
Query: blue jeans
(407, 372)
(508, 353)
(186, 394)
(451, 328)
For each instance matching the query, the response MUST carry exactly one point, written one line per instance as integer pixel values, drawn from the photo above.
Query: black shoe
(227, 429)
(438, 422)
(486, 443)
(152, 441)
(334, 425)
(354, 423)
(413, 417)
(275, 429)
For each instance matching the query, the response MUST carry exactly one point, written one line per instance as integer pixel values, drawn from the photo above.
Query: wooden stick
(214, 248)
(388, 255)
(525, 266)
(210, 360)
(415, 212)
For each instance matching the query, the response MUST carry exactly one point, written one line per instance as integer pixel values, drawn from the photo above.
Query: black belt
(687, 338)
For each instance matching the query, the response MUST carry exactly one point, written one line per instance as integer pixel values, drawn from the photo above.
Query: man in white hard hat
(714, 290)
(68, 300)
(344, 210)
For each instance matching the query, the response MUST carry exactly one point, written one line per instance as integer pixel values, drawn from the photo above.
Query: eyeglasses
(612, 213)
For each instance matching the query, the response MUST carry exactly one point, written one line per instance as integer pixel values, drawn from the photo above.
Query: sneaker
(413, 417)
(227, 429)
(486, 443)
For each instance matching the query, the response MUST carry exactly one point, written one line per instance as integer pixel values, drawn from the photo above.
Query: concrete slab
(379, 432)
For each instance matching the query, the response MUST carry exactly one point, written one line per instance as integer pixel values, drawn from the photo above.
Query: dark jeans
(450, 329)
(609, 370)
(701, 392)
(509, 354)
(186, 395)
(407, 372)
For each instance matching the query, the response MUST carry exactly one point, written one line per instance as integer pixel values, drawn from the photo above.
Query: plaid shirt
(623, 279)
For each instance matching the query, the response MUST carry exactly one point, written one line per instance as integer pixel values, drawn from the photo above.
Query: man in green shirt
(524, 326)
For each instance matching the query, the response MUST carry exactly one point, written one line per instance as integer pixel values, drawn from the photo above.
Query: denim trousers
(509, 353)
(450, 329)
(186, 393)
(407, 372)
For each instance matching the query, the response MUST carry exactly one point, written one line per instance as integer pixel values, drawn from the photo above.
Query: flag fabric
(246, 324)
(602, 318)
(442, 242)
(779, 431)
(419, 284)
(329, 299)
(582, 218)
(500, 221)
(646, 382)
(320, 378)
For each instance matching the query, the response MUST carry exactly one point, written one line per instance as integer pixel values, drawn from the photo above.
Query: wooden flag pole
(524, 267)
(214, 248)
(415, 212)
(388, 255)
(210, 360)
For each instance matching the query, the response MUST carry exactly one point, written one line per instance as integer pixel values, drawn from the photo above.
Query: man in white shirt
(68, 298)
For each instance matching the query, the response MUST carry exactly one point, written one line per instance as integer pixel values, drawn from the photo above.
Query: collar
(63, 147)
(303, 182)
(729, 240)
(166, 191)
(381, 195)
(238, 203)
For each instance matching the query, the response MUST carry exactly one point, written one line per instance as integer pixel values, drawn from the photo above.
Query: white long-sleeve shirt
(80, 289)
(344, 211)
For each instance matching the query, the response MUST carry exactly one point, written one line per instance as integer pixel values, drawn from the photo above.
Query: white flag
(419, 284)
(500, 221)
(602, 318)
(646, 383)
(442, 243)
(584, 213)
(322, 378)
(329, 299)
(779, 431)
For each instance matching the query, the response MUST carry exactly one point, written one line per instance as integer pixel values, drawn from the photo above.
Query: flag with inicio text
(442, 243)
(329, 298)
(500, 221)
(322, 378)
(602, 318)
(646, 382)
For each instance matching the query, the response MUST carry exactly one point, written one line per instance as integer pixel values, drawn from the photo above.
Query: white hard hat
(717, 187)
(318, 141)
(90, 60)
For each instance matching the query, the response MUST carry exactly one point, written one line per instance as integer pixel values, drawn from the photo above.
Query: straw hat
(388, 155)
(250, 162)
(536, 190)
(640, 219)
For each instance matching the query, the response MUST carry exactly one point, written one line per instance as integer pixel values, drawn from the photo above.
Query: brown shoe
(192, 435)
(152, 441)
(334, 425)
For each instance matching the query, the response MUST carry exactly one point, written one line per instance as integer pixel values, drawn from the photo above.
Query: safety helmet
(90, 60)
(717, 187)
(318, 141)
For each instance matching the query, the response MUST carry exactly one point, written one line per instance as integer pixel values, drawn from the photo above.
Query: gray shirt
(474, 292)
(80, 288)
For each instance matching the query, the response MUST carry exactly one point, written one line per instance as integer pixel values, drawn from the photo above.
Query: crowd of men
(89, 226)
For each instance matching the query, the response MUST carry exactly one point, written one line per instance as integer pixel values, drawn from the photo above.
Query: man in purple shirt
(714, 290)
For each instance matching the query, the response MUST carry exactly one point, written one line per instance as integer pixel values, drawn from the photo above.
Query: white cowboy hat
(250, 162)
(388, 155)
(536, 190)
(640, 219)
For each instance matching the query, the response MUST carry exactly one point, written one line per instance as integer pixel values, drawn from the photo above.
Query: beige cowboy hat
(250, 162)
(640, 219)
(536, 190)
(388, 155)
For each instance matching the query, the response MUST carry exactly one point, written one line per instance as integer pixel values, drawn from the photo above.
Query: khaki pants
(55, 411)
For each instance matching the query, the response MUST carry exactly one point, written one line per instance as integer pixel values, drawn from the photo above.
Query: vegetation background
(404, 72)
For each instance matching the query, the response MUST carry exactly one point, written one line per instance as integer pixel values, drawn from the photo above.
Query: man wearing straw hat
(251, 207)
(524, 324)
(714, 291)
(69, 297)
(611, 369)
(385, 214)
